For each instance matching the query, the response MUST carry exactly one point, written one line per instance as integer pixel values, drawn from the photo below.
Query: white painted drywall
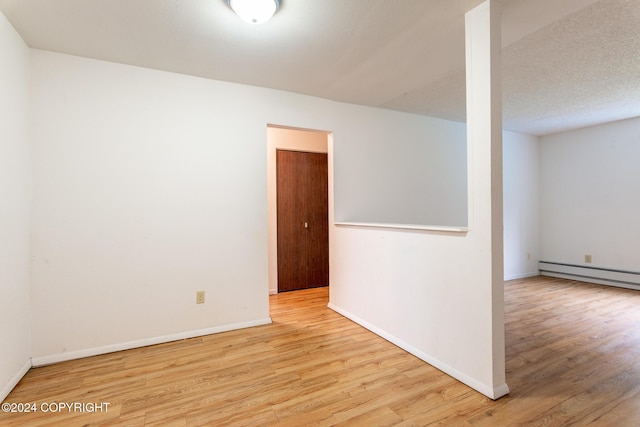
(279, 138)
(15, 200)
(590, 196)
(438, 294)
(149, 186)
(418, 177)
(521, 205)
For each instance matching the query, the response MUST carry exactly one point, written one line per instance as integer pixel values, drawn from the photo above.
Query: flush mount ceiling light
(254, 11)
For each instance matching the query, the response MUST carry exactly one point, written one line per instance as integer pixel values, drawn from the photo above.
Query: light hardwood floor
(573, 358)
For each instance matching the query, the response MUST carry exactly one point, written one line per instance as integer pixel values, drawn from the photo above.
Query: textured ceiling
(567, 63)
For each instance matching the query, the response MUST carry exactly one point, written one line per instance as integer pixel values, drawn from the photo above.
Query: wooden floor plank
(572, 358)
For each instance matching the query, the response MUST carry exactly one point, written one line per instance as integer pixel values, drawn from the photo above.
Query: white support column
(484, 151)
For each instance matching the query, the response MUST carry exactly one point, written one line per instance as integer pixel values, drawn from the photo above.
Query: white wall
(15, 200)
(430, 188)
(152, 185)
(149, 186)
(590, 204)
(439, 294)
(521, 205)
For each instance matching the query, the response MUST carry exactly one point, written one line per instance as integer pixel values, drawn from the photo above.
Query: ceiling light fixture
(254, 11)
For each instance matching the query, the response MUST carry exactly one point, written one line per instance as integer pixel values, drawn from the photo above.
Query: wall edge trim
(88, 352)
(491, 392)
(15, 380)
(521, 276)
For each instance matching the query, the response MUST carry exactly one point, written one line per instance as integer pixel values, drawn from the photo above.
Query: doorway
(303, 220)
(289, 139)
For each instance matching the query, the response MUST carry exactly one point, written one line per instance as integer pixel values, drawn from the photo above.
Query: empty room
(472, 257)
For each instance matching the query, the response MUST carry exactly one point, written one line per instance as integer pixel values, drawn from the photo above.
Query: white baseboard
(273, 291)
(490, 392)
(15, 380)
(521, 276)
(78, 354)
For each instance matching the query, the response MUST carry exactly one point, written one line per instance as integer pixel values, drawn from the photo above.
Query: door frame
(295, 139)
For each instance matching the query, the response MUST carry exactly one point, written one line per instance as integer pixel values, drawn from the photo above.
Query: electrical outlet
(587, 259)
(200, 297)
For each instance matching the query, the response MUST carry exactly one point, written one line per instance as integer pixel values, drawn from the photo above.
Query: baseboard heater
(602, 276)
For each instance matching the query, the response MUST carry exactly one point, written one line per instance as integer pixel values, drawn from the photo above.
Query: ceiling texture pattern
(566, 63)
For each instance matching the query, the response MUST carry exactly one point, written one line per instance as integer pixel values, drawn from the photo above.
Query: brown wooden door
(303, 220)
